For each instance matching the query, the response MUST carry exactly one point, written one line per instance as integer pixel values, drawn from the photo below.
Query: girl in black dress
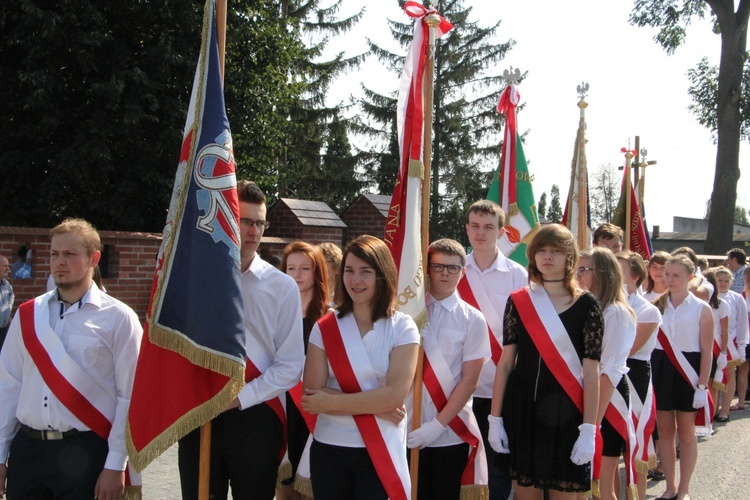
(546, 442)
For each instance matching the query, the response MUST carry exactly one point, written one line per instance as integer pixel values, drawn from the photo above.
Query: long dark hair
(374, 252)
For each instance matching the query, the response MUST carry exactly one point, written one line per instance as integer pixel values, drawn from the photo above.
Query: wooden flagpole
(432, 20)
(628, 188)
(204, 464)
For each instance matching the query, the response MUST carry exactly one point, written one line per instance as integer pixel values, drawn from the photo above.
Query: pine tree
(309, 115)
(467, 128)
(542, 205)
(555, 209)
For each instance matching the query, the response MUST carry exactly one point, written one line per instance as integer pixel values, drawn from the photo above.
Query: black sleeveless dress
(540, 419)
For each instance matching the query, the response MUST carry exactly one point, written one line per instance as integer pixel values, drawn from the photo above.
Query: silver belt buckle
(52, 435)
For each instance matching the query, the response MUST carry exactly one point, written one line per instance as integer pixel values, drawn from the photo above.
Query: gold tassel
(416, 169)
(631, 492)
(132, 493)
(421, 320)
(642, 467)
(474, 492)
(596, 488)
(719, 386)
(586, 494)
(513, 209)
(303, 485)
(734, 363)
(285, 472)
(652, 462)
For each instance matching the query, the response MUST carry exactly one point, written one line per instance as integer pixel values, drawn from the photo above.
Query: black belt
(50, 435)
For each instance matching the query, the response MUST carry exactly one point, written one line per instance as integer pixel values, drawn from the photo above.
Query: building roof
(688, 236)
(313, 213)
(380, 201)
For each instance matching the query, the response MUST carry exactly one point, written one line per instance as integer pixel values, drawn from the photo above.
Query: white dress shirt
(684, 323)
(738, 323)
(499, 280)
(461, 333)
(645, 312)
(619, 334)
(385, 336)
(719, 314)
(103, 336)
(273, 324)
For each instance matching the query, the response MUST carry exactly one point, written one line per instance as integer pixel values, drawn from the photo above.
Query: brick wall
(362, 217)
(130, 255)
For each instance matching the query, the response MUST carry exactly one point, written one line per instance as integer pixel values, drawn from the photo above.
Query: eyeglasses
(452, 269)
(260, 225)
(581, 270)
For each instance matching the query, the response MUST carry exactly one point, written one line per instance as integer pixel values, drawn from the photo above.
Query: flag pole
(204, 463)
(582, 219)
(432, 20)
(628, 188)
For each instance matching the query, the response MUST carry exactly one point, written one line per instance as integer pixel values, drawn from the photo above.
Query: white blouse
(719, 314)
(738, 321)
(645, 312)
(619, 334)
(683, 323)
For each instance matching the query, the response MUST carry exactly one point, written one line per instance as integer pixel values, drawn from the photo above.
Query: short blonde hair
(82, 228)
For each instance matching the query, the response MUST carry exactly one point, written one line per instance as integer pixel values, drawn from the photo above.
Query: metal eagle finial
(511, 76)
(583, 90)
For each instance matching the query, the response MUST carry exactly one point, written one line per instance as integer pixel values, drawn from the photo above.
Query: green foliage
(604, 193)
(704, 91)
(671, 17)
(467, 128)
(93, 107)
(542, 205)
(555, 213)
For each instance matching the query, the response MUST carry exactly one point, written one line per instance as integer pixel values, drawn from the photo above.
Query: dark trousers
(341, 473)
(245, 447)
(66, 469)
(440, 471)
(499, 481)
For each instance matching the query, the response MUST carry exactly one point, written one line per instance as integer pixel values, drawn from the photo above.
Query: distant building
(689, 232)
(367, 215)
(311, 221)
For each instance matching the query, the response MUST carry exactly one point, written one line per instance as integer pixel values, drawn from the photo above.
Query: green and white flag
(511, 187)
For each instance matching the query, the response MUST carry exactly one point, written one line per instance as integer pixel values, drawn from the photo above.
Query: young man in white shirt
(247, 439)
(455, 345)
(489, 280)
(72, 341)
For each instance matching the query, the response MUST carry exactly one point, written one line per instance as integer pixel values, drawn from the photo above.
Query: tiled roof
(380, 201)
(697, 236)
(313, 213)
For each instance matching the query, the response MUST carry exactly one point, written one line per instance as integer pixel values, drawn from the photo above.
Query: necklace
(553, 281)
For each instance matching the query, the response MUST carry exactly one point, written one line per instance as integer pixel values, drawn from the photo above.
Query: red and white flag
(403, 227)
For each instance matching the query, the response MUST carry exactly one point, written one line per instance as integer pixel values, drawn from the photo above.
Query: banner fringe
(642, 467)
(513, 209)
(596, 489)
(474, 492)
(719, 386)
(631, 492)
(181, 427)
(421, 320)
(173, 341)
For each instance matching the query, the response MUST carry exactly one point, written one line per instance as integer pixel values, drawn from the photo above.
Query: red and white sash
(92, 402)
(473, 293)
(644, 421)
(555, 347)
(619, 416)
(703, 417)
(353, 370)
(439, 384)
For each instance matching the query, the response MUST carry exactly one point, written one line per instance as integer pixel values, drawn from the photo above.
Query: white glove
(425, 435)
(700, 398)
(721, 361)
(585, 445)
(743, 354)
(497, 436)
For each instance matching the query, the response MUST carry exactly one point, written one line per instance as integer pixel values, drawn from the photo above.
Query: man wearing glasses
(489, 280)
(247, 439)
(455, 348)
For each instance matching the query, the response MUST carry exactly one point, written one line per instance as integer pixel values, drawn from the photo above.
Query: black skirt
(671, 390)
(613, 442)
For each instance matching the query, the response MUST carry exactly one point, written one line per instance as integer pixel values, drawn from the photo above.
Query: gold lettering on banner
(393, 223)
(405, 296)
(524, 176)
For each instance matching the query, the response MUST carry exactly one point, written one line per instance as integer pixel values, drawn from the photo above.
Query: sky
(635, 89)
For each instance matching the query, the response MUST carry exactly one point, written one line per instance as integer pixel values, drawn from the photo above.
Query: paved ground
(722, 472)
